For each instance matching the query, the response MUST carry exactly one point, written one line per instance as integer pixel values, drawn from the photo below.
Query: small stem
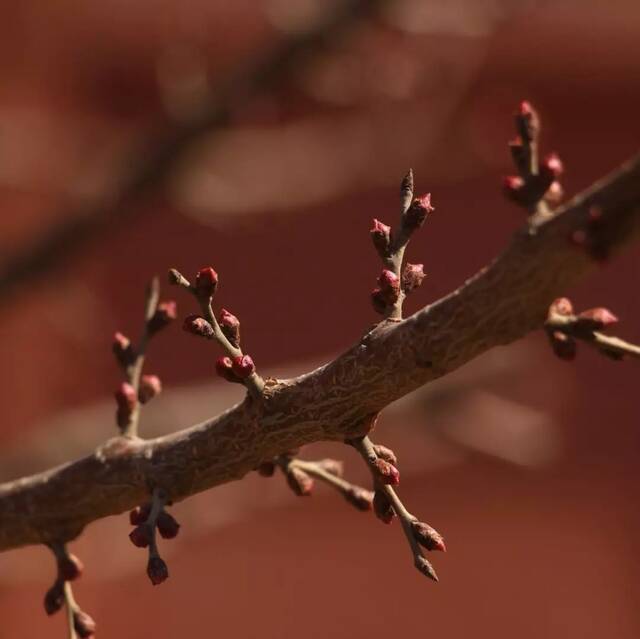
(312, 468)
(71, 607)
(614, 345)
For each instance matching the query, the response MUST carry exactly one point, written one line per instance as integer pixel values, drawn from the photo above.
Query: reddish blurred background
(528, 465)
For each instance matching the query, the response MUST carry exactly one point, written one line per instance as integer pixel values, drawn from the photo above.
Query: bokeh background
(527, 465)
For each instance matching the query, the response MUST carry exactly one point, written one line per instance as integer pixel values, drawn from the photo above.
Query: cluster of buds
(235, 366)
(147, 519)
(537, 180)
(69, 568)
(394, 283)
(564, 327)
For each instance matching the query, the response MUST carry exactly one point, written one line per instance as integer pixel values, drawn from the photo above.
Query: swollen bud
(83, 624)
(224, 368)
(141, 535)
(417, 213)
(359, 498)
(563, 346)
(157, 570)
(243, 366)
(382, 507)
(386, 473)
(230, 326)
(123, 350)
(561, 306)
(428, 537)
(206, 282)
(551, 167)
(381, 237)
(126, 397)
(150, 387)
(378, 300)
(139, 514)
(595, 319)
(513, 187)
(527, 122)
(197, 325)
(425, 568)
(299, 481)
(554, 193)
(385, 453)
(54, 599)
(69, 567)
(168, 527)
(412, 277)
(165, 313)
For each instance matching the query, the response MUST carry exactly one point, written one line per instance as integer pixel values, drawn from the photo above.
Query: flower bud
(564, 347)
(139, 514)
(527, 122)
(378, 300)
(417, 213)
(54, 599)
(197, 325)
(126, 397)
(299, 481)
(385, 453)
(165, 313)
(123, 350)
(514, 189)
(412, 277)
(168, 527)
(243, 366)
(150, 387)
(554, 193)
(157, 570)
(561, 306)
(69, 567)
(141, 535)
(428, 537)
(386, 473)
(552, 167)
(224, 368)
(381, 237)
(359, 498)
(425, 568)
(230, 326)
(382, 507)
(388, 280)
(83, 624)
(595, 319)
(206, 282)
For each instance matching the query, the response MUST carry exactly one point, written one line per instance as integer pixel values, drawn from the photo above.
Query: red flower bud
(197, 325)
(561, 306)
(230, 326)
(425, 568)
(126, 397)
(54, 599)
(83, 624)
(388, 280)
(513, 187)
(243, 366)
(299, 481)
(552, 166)
(564, 347)
(69, 567)
(381, 237)
(385, 453)
(157, 570)
(417, 213)
(359, 498)
(428, 537)
(165, 313)
(595, 319)
(141, 535)
(412, 277)
(386, 473)
(150, 387)
(139, 514)
(206, 282)
(168, 527)
(123, 350)
(378, 300)
(527, 122)
(554, 193)
(382, 507)
(224, 368)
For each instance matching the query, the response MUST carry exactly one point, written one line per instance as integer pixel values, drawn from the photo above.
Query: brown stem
(502, 303)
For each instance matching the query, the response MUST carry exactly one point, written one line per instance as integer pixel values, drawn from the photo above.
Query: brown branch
(502, 303)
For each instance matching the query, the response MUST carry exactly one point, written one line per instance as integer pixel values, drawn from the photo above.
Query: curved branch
(500, 304)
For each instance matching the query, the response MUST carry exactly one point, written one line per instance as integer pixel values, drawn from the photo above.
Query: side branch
(500, 304)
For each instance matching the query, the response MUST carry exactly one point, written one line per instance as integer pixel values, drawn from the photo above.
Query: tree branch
(500, 304)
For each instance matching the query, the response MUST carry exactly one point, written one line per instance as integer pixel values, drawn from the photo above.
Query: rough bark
(500, 304)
